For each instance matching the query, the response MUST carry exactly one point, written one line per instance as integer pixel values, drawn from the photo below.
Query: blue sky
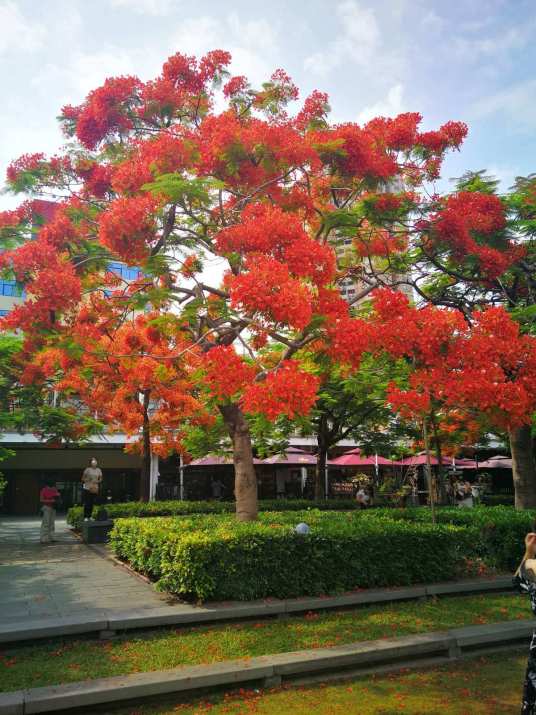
(472, 60)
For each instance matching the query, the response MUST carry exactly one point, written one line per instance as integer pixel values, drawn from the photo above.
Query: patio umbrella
(215, 460)
(353, 458)
(292, 457)
(497, 462)
(419, 460)
(464, 463)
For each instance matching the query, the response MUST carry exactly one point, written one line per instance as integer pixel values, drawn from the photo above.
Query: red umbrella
(215, 460)
(419, 460)
(497, 462)
(353, 458)
(293, 456)
(464, 463)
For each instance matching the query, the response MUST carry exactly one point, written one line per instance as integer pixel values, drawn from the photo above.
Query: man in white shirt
(91, 481)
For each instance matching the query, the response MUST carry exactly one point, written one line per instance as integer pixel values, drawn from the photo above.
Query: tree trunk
(321, 459)
(320, 471)
(245, 477)
(439, 456)
(523, 467)
(145, 473)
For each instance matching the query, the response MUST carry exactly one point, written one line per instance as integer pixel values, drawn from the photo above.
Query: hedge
(219, 558)
(75, 514)
(499, 531)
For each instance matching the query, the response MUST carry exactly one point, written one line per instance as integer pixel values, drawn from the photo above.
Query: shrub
(498, 532)
(75, 514)
(216, 557)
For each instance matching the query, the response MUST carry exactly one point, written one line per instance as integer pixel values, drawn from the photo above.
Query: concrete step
(268, 671)
(187, 614)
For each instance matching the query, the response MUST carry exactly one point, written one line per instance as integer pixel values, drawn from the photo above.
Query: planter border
(271, 670)
(107, 622)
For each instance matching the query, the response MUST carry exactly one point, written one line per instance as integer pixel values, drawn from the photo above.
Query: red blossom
(287, 391)
(26, 162)
(267, 288)
(128, 227)
(105, 111)
(226, 373)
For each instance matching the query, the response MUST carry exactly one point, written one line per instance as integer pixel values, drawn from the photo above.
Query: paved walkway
(63, 578)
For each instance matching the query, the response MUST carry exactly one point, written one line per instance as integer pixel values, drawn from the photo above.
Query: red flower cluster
(487, 368)
(236, 85)
(448, 136)
(26, 162)
(97, 177)
(355, 152)
(350, 338)
(226, 373)
(250, 153)
(12, 218)
(287, 391)
(314, 111)
(269, 230)
(467, 225)
(330, 304)
(268, 288)
(128, 227)
(183, 87)
(106, 111)
(164, 154)
(398, 133)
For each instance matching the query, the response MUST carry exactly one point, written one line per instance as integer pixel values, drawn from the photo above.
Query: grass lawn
(69, 660)
(480, 686)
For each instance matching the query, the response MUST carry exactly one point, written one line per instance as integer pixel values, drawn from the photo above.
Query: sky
(469, 60)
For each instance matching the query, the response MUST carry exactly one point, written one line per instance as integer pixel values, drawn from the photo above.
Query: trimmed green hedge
(499, 530)
(75, 514)
(215, 557)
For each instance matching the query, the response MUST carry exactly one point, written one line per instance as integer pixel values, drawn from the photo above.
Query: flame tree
(230, 204)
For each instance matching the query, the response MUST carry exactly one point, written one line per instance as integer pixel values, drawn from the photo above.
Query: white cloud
(505, 41)
(506, 176)
(82, 72)
(359, 40)
(18, 32)
(392, 105)
(252, 44)
(147, 7)
(432, 21)
(517, 103)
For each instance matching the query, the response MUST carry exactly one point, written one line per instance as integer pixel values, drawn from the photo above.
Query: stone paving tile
(63, 578)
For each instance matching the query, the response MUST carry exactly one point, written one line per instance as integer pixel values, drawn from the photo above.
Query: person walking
(525, 581)
(48, 496)
(91, 481)
(362, 498)
(464, 495)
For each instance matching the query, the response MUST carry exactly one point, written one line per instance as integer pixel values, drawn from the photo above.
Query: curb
(106, 621)
(269, 671)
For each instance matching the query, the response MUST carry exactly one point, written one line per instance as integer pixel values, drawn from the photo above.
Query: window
(123, 271)
(11, 288)
(3, 313)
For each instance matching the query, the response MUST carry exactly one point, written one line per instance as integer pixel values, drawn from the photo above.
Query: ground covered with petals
(71, 660)
(481, 686)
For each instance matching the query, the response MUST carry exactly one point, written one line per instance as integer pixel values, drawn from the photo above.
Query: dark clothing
(88, 500)
(528, 707)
